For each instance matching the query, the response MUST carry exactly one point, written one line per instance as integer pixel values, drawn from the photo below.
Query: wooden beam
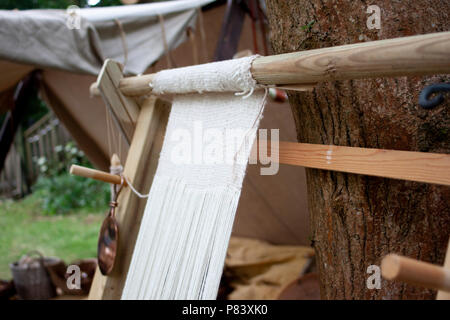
(398, 268)
(140, 168)
(125, 110)
(416, 55)
(405, 165)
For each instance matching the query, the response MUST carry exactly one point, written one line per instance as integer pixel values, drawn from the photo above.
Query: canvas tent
(67, 55)
(278, 215)
(50, 39)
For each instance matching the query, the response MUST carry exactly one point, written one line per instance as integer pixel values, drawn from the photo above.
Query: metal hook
(426, 92)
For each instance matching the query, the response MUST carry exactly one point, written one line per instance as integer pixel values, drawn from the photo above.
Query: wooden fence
(11, 177)
(40, 141)
(21, 168)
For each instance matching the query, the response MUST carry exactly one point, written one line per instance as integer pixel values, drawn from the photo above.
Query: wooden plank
(35, 126)
(29, 160)
(140, 168)
(416, 55)
(40, 145)
(18, 172)
(445, 295)
(405, 165)
(114, 70)
(53, 142)
(124, 109)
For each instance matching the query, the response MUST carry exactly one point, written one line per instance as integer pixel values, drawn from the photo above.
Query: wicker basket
(32, 280)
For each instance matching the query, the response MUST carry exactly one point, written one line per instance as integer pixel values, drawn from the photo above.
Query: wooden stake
(115, 161)
(394, 267)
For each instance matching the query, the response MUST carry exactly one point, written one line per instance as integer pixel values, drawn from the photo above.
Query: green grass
(24, 228)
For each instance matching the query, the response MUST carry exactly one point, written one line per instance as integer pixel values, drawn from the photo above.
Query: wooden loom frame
(144, 126)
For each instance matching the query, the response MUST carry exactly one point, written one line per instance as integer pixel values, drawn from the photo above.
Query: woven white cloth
(184, 234)
(224, 76)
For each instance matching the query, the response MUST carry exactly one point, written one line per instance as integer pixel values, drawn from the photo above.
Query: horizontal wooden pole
(404, 165)
(96, 175)
(395, 267)
(416, 55)
(136, 86)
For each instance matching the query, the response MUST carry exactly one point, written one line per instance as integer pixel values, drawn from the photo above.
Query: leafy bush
(64, 193)
(59, 192)
(61, 161)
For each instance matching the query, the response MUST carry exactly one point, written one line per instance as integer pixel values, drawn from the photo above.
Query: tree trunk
(356, 220)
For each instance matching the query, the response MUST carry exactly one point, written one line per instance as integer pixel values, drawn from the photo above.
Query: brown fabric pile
(258, 270)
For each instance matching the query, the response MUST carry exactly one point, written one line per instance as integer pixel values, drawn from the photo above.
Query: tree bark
(356, 220)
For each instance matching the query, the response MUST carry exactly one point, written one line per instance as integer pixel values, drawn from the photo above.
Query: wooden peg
(395, 267)
(115, 161)
(96, 175)
(93, 90)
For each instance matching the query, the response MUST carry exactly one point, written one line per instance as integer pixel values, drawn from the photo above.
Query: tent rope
(124, 41)
(170, 62)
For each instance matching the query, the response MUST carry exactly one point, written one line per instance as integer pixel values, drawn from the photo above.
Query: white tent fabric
(43, 39)
(71, 58)
(101, 14)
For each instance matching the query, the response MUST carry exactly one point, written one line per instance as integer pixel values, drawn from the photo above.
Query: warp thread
(182, 242)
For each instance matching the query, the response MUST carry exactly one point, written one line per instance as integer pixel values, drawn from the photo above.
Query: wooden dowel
(415, 55)
(395, 267)
(136, 86)
(404, 165)
(96, 174)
